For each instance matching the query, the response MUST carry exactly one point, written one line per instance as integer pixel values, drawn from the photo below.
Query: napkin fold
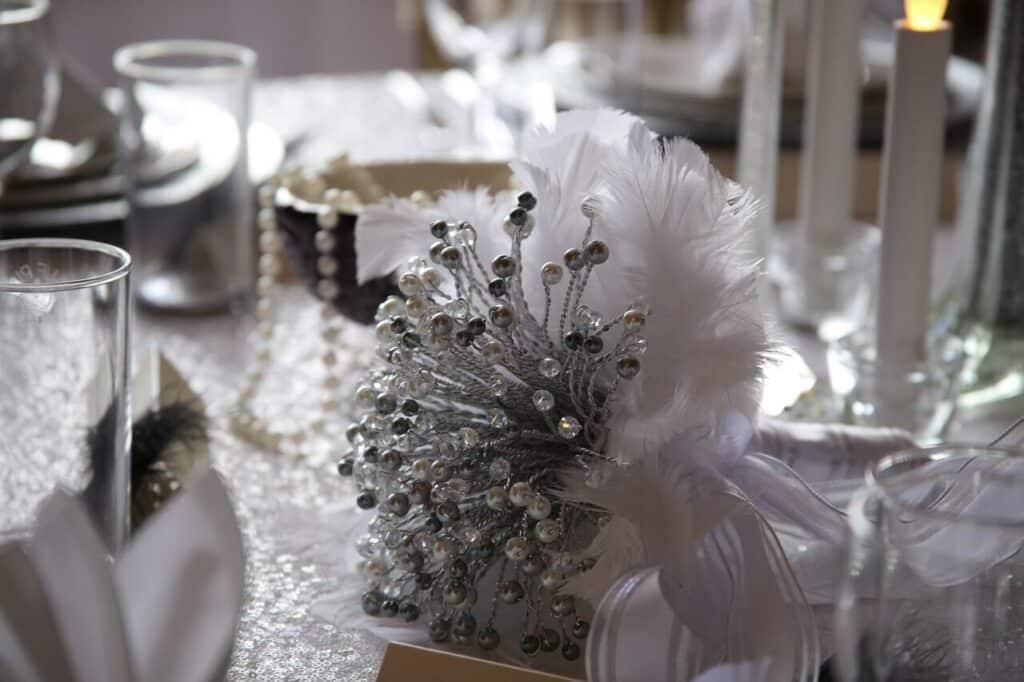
(166, 609)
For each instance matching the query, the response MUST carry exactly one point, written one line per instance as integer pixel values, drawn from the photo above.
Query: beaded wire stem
(464, 437)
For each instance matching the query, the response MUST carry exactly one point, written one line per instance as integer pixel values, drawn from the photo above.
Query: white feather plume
(391, 232)
(677, 232)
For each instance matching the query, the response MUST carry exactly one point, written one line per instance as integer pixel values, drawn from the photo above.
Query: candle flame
(925, 15)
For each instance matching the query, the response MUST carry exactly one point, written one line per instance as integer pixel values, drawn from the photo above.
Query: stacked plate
(71, 185)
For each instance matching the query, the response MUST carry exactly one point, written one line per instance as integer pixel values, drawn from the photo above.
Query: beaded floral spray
(544, 341)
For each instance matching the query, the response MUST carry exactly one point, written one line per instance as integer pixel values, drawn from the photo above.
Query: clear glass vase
(985, 304)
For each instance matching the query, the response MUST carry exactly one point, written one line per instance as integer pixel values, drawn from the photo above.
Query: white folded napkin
(165, 609)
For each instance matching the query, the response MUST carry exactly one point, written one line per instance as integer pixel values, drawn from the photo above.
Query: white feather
(661, 508)
(677, 231)
(563, 166)
(391, 232)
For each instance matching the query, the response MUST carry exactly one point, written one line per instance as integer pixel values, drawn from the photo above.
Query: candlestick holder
(918, 397)
(985, 303)
(826, 289)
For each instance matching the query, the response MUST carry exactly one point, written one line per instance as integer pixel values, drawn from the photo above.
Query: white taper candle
(831, 122)
(909, 198)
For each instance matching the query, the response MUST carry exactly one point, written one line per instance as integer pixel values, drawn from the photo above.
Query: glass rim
(30, 10)
(130, 60)
(875, 480)
(122, 265)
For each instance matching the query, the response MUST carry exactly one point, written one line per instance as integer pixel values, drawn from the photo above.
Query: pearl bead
(596, 252)
(415, 306)
(503, 266)
(562, 604)
(324, 241)
(547, 530)
(270, 242)
(496, 498)
(420, 469)
(266, 220)
(551, 273)
(627, 367)
(502, 316)
(517, 548)
(633, 320)
(550, 579)
(538, 507)
(574, 259)
(431, 277)
(269, 265)
(327, 289)
(265, 307)
(392, 306)
(492, 351)
(327, 266)
(327, 218)
(265, 284)
(511, 591)
(410, 284)
(520, 493)
(266, 196)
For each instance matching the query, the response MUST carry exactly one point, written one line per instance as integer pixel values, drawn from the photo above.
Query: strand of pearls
(245, 422)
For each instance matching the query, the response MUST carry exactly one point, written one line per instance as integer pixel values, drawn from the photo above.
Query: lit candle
(831, 117)
(909, 202)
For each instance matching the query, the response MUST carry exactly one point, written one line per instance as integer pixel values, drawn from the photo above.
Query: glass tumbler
(64, 389)
(184, 152)
(934, 586)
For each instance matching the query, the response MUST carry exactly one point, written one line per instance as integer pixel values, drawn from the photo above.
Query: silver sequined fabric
(279, 638)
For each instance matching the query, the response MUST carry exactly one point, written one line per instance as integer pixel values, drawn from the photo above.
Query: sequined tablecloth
(279, 638)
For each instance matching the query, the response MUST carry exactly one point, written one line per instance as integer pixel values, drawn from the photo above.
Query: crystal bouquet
(567, 394)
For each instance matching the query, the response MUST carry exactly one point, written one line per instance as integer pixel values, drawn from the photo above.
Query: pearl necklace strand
(245, 422)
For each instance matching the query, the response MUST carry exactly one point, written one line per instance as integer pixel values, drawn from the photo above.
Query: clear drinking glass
(935, 576)
(184, 148)
(64, 325)
(29, 79)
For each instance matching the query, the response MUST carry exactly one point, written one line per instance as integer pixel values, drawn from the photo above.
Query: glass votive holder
(931, 586)
(827, 290)
(919, 397)
(64, 389)
(184, 153)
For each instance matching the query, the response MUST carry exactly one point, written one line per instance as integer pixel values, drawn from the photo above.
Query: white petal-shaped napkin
(166, 609)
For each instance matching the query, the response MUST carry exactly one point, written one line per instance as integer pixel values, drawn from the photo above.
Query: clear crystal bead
(498, 418)
(498, 387)
(549, 368)
(569, 427)
(544, 401)
(499, 469)
(469, 436)
(458, 308)
(586, 319)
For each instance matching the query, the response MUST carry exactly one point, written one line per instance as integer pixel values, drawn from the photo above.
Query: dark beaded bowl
(296, 220)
